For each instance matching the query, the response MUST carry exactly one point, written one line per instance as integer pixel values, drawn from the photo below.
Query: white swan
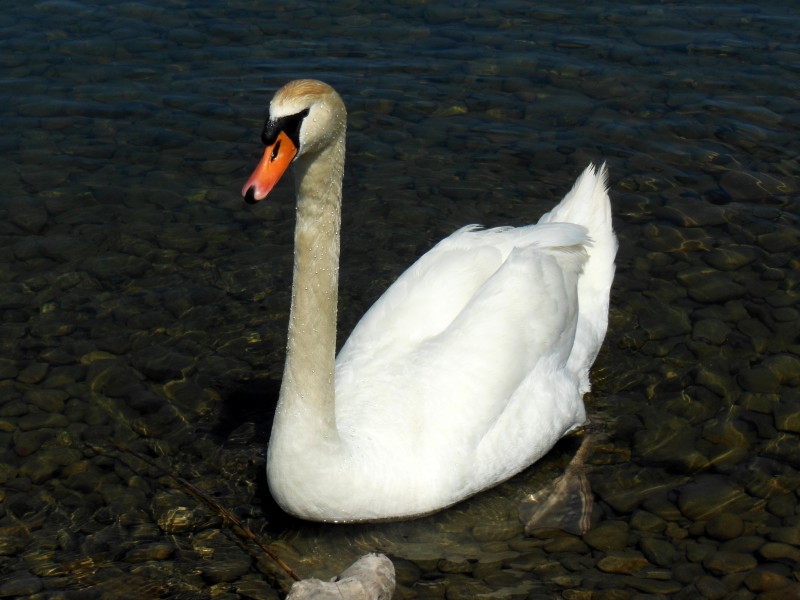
(468, 369)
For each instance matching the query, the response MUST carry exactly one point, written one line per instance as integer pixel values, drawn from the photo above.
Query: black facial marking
(290, 125)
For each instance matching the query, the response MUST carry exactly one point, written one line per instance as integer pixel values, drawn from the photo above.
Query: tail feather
(587, 204)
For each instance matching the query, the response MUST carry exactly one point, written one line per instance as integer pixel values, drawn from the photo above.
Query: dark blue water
(144, 304)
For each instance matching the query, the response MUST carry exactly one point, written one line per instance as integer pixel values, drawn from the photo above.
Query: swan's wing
(458, 332)
(425, 300)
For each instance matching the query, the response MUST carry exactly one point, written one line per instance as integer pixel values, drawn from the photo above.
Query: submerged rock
(371, 577)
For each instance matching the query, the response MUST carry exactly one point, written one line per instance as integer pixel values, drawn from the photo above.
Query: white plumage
(469, 368)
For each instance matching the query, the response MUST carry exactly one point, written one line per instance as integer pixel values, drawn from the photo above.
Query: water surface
(145, 305)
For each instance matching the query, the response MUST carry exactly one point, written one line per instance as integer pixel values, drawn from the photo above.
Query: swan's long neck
(306, 406)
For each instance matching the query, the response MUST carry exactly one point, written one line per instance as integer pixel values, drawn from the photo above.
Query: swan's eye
(290, 125)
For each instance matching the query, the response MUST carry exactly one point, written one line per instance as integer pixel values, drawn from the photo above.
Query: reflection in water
(142, 302)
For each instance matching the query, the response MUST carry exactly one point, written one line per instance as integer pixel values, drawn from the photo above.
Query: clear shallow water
(143, 303)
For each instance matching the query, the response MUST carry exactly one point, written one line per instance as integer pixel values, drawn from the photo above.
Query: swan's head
(305, 117)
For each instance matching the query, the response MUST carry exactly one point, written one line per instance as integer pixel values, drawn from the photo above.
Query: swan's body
(468, 369)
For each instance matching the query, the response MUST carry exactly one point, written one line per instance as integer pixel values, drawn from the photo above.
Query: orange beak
(273, 165)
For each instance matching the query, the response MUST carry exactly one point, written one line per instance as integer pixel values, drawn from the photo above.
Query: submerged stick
(227, 515)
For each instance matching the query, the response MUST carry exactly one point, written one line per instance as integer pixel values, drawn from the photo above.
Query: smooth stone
(790, 534)
(778, 241)
(113, 378)
(17, 585)
(730, 258)
(625, 489)
(729, 312)
(664, 321)
(653, 586)
(716, 381)
(13, 296)
(785, 448)
(711, 588)
(148, 552)
(66, 247)
(626, 562)
(713, 331)
(7, 473)
(759, 334)
(731, 440)
(33, 373)
(659, 552)
(11, 545)
(458, 589)
(746, 544)
(112, 267)
(785, 367)
(773, 551)
(607, 536)
(785, 314)
(162, 364)
(96, 356)
(643, 520)
(461, 565)
(42, 421)
(492, 532)
(170, 513)
(687, 572)
(183, 236)
(758, 379)
(663, 238)
(709, 286)
(488, 564)
(57, 356)
(725, 526)
(528, 560)
(665, 37)
(64, 377)
(724, 563)
(15, 407)
(763, 579)
(790, 591)
(770, 274)
(28, 442)
(742, 186)
(759, 403)
(38, 468)
(670, 441)
(710, 495)
(47, 400)
(29, 215)
(687, 212)
(255, 588)
(8, 368)
(566, 544)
